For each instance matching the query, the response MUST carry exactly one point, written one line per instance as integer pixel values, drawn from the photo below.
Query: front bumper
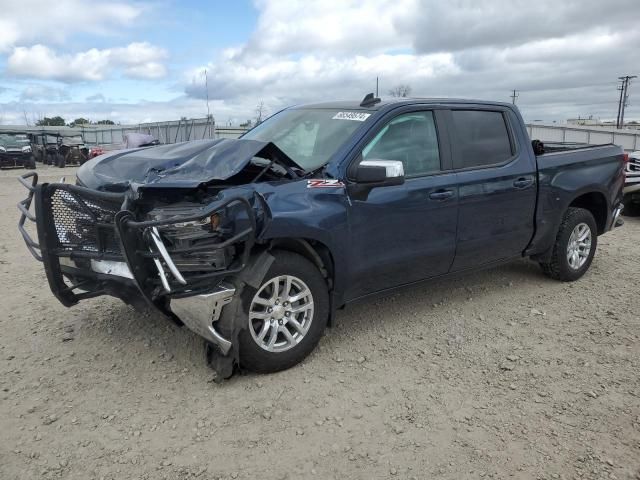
(14, 159)
(201, 312)
(616, 220)
(91, 244)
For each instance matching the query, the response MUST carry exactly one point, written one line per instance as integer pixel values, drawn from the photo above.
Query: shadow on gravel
(133, 332)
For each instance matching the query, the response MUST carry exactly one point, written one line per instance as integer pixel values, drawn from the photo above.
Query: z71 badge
(321, 183)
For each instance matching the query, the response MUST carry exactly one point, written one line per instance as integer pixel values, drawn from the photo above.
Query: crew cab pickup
(254, 243)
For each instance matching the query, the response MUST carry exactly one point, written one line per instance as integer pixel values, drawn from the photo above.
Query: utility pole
(624, 97)
(376, 87)
(206, 87)
(621, 88)
(514, 95)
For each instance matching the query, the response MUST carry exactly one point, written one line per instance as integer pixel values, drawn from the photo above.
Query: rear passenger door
(497, 186)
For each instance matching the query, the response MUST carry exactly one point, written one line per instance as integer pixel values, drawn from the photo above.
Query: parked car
(254, 243)
(15, 151)
(96, 151)
(136, 140)
(72, 151)
(632, 185)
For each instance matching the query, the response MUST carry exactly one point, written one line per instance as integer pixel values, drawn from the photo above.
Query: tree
(105, 122)
(403, 90)
(260, 112)
(246, 124)
(79, 121)
(56, 121)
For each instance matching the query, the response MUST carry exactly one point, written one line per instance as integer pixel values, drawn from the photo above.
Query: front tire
(574, 248)
(286, 316)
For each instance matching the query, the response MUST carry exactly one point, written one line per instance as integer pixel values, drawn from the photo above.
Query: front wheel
(574, 248)
(286, 316)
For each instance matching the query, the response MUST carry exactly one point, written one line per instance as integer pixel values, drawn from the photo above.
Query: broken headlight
(193, 244)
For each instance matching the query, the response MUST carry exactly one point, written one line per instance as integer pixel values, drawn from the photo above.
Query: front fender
(297, 211)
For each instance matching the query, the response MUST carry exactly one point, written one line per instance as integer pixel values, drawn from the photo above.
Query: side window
(481, 138)
(410, 138)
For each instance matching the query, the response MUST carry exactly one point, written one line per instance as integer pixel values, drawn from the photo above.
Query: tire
(559, 267)
(31, 164)
(631, 209)
(257, 358)
(62, 162)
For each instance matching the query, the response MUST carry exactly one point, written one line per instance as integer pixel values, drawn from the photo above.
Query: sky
(134, 62)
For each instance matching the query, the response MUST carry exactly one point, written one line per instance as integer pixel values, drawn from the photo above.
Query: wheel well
(314, 251)
(597, 204)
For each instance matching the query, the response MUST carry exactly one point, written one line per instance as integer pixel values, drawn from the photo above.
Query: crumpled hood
(180, 165)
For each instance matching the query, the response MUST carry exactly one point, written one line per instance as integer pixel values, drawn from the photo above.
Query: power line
(514, 95)
(624, 98)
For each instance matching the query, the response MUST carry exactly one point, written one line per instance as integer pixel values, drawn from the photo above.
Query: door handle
(441, 195)
(523, 182)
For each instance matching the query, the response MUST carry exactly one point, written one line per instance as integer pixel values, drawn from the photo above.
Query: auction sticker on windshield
(357, 116)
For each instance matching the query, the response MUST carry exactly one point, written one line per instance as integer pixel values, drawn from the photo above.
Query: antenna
(369, 100)
(206, 87)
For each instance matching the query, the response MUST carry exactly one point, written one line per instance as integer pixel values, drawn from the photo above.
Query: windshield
(309, 136)
(13, 139)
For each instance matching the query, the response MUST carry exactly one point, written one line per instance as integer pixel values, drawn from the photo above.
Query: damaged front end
(178, 258)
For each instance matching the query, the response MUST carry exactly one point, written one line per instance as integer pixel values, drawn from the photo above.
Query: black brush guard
(84, 225)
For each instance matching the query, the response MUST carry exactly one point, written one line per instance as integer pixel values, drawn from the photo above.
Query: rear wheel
(574, 248)
(62, 161)
(286, 316)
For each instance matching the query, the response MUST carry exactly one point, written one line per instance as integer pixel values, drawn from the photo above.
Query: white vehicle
(632, 185)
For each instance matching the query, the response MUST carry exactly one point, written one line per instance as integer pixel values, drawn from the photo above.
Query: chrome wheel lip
(281, 313)
(579, 246)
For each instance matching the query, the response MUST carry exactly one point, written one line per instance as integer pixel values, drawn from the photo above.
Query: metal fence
(627, 139)
(166, 132)
(200, 128)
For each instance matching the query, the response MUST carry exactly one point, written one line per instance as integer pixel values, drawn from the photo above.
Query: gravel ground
(500, 374)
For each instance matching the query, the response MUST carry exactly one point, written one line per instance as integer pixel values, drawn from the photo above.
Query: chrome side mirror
(377, 172)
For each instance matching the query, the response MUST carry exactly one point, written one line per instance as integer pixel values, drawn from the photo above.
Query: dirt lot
(501, 374)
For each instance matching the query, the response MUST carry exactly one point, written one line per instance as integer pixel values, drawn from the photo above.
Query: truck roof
(391, 102)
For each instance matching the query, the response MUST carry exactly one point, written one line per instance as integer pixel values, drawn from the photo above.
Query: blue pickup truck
(254, 243)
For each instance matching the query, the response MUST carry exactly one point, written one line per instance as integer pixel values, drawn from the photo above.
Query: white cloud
(334, 26)
(43, 21)
(139, 60)
(563, 57)
(315, 77)
(460, 24)
(37, 92)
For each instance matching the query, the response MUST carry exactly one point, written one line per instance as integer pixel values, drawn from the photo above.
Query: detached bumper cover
(91, 245)
(200, 312)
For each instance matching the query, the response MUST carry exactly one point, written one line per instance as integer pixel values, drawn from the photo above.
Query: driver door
(404, 233)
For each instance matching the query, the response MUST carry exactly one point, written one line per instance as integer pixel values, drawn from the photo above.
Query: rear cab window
(481, 138)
